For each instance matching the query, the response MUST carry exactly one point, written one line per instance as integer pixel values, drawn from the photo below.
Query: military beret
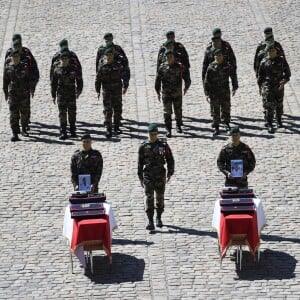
(269, 37)
(235, 129)
(216, 32)
(16, 36)
(63, 43)
(15, 51)
(268, 30)
(270, 46)
(152, 127)
(86, 137)
(17, 42)
(170, 33)
(107, 35)
(217, 51)
(169, 51)
(109, 51)
(168, 42)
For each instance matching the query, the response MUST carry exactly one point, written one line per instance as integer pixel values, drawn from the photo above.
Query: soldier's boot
(28, 127)
(117, 129)
(178, 128)
(279, 122)
(168, 131)
(265, 118)
(15, 137)
(270, 127)
(150, 225)
(24, 131)
(63, 135)
(227, 126)
(108, 133)
(216, 131)
(73, 131)
(159, 222)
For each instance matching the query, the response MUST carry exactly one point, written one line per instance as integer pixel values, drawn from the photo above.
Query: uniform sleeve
(54, 58)
(207, 82)
(221, 162)
(54, 83)
(205, 65)
(261, 74)
(140, 162)
(34, 73)
(158, 81)
(185, 56)
(123, 56)
(6, 81)
(186, 78)
(159, 57)
(251, 161)
(79, 82)
(99, 169)
(233, 76)
(255, 64)
(232, 58)
(286, 71)
(98, 56)
(98, 81)
(74, 171)
(125, 76)
(170, 160)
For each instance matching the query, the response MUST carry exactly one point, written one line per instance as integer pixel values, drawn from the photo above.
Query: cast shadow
(124, 268)
(131, 242)
(189, 231)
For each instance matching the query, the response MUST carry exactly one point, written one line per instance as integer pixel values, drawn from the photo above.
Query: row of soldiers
(21, 76)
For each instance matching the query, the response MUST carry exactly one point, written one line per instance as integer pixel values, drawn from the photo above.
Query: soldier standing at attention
(217, 91)
(114, 78)
(16, 89)
(87, 161)
(236, 150)
(27, 58)
(273, 73)
(170, 75)
(153, 154)
(66, 86)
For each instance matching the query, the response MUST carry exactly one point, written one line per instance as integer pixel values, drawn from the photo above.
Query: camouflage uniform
(180, 54)
(151, 160)
(65, 84)
(230, 152)
(271, 72)
(87, 162)
(16, 87)
(171, 78)
(227, 52)
(216, 86)
(112, 78)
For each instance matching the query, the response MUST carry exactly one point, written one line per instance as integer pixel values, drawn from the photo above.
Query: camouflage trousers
(272, 101)
(112, 107)
(67, 110)
(19, 109)
(156, 185)
(170, 101)
(220, 108)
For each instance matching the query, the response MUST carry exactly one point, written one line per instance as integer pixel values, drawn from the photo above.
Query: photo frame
(236, 168)
(84, 182)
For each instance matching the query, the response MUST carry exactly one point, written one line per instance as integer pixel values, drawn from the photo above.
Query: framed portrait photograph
(237, 168)
(84, 182)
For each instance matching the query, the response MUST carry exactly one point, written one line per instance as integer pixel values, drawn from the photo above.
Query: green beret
(107, 35)
(86, 137)
(270, 46)
(216, 32)
(168, 42)
(63, 43)
(152, 127)
(269, 37)
(169, 51)
(17, 42)
(218, 51)
(268, 30)
(109, 51)
(16, 36)
(235, 129)
(170, 33)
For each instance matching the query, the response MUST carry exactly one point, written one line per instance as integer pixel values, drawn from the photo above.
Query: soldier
(73, 59)
(236, 150)
(217, 43)
(118, 51)
(260, 52)
(153, 154)
(216, 89)
(178, 49)
(66, 86)
(114, 78)
(16, 87)
(273, 73)
(87, 161)
(171, 74)
(26, 57)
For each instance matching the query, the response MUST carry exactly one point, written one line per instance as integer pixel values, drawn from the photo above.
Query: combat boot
(216, 131)
(178, 128)
(63, 136)
(15, 137)
(117, 129)
(24, 132)
(279, 122)
(150, 225)
(73, 131)
(169, 131)
(108, 133)
(227, 126)
(159, 222)
(270, 127)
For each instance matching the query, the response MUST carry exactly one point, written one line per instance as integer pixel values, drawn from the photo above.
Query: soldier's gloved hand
(229, 176)
(168, 178)
(6, 97)
(158, 97)
(54, 100)
(208, 99)
(281, 85)
(76, 188)
(32, 93)
(184, 91)
(77, 95)
(93, 188)
(142, 183)
(233, 92)
(124, 91)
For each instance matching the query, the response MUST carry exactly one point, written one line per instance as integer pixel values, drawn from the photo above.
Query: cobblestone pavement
(180, 261)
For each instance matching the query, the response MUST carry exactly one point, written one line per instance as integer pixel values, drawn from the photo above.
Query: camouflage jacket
(16, 80)
(120, 55)
(273, 71)
(152, 158)
(171, 78)
(112, 77)
(74, 60)
(227, 52)
(261, 53)
(66, 81)
(86, 162)
(180, 54)
(216, 80)
(230, 152)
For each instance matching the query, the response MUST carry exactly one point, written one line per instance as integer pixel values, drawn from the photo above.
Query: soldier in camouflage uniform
(180, 53)
(16, 87)
(236, 150)
(217, 43)
(153, 154)
(170, 75)
(273, 73)
(66, 86)
(114, 78)
(29, 60)
(87, 161)
(217, 91)
(73, 59)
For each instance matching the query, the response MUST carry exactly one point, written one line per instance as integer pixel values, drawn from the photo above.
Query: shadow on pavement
(131, 242)
(190, 231)
(124, 268)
